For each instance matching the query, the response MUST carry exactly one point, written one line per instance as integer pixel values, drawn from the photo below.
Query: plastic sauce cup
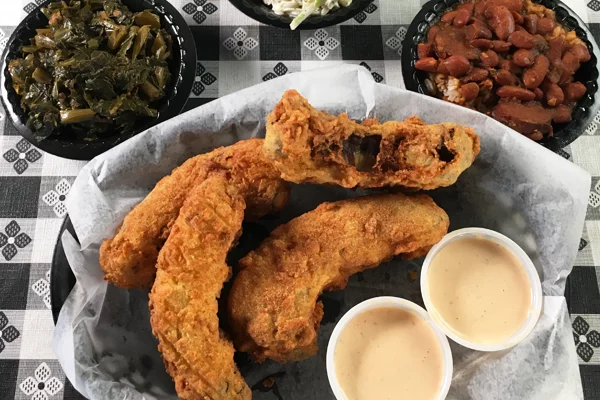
(532, 275)
(388, 302)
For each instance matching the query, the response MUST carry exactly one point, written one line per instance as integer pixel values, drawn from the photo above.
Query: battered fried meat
(273, 304)
(190, 274)
(308, 145)
(129, 258)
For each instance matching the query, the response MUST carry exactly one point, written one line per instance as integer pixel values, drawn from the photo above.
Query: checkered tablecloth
(234, 52)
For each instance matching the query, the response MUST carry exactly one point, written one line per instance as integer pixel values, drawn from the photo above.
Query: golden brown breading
(273, 304)
(129, 258)
(308, 145)
(190, 274)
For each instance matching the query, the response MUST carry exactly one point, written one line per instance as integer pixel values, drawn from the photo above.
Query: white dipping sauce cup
(534, 284)
(388, 302)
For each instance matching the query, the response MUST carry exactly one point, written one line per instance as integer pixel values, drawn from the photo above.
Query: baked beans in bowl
(529, 64)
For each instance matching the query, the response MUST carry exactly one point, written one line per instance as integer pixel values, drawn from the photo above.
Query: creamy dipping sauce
(479, 289)
(388, 353)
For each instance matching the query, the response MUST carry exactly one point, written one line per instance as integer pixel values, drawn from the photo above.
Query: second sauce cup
(481, 289)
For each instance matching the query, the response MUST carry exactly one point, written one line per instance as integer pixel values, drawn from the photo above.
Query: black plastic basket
(588, 105)
(182, 65)
(260, 12)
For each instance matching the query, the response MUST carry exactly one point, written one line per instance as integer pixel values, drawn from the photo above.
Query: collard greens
(97, 67)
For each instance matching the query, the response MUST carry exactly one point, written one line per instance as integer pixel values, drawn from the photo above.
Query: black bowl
(587, 106)
(182, 66)
(259, 11)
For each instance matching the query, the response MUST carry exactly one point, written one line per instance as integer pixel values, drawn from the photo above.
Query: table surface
(234, 52)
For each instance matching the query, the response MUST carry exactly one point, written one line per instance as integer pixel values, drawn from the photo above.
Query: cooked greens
(95, 68)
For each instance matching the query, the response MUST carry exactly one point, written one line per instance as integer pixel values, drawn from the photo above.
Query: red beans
(508, 59)
(476, 75)
(489, 10)
(562, 114)
(523, 58)
(472, 32)
(431, 34)
(545, 26)
(531, 22)
(540, 43)
(478, 30)
(537, 135)
(489, 58)
(462, 17)
(428, 64)
(512, 5)
(505, 78)
(573, 91)
(449, 17)
(570, 62)
(457, 66)
(469, 91)
(522, 40)
(424, 50)
(554, 94)
(534, 76)
(515, 92)
(482, 44)
(502, 22)
(480, 8)
(519, 19)
(555, 50)
(519, 28)
(581, 52)
(500, 46)
(442, 69)
(469, 6)
(554, 74)
(510, 66)
(565, 77)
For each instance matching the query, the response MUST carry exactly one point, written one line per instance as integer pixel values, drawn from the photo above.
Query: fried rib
(129, 258)
(190, 274)
(308, 145)
(273, 304)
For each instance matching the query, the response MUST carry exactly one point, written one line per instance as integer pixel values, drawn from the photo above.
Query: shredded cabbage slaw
(302, 9)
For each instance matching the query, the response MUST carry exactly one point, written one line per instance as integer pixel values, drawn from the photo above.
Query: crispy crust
(273, 304)
(191, 271)
(308, 145)
(128, 259)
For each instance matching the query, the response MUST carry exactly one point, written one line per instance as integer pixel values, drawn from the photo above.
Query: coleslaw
(302, 9)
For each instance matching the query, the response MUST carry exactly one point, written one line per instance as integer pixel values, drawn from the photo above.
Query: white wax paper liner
(103, 338)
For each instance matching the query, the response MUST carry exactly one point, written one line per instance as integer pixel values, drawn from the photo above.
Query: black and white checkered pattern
(234, 52)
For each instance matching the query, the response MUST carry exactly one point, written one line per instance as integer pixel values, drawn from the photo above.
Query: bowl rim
(182, 87)
(261, 12)
(554, 143)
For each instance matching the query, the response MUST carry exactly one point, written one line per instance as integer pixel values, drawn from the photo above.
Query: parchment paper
(103, 337)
